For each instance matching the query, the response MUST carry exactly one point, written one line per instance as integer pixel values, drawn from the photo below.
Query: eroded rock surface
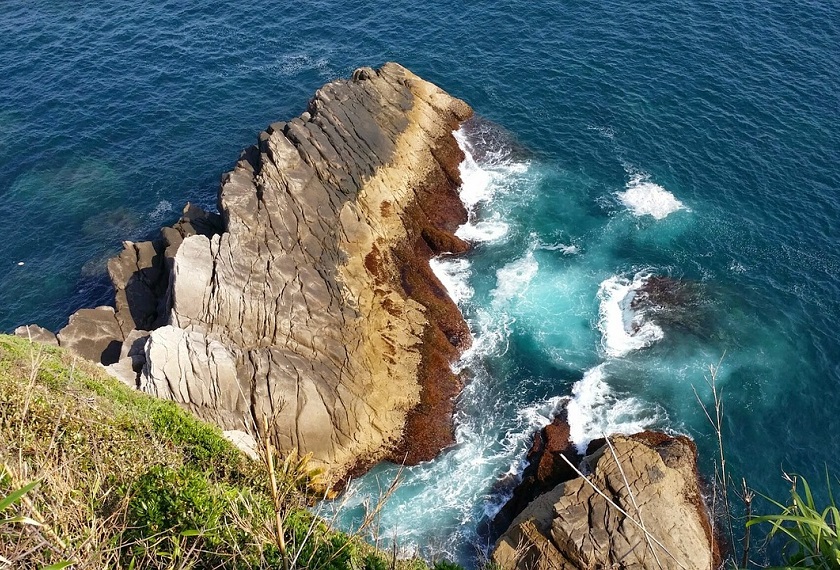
(673, 303)
(309, 302)
(652, 477)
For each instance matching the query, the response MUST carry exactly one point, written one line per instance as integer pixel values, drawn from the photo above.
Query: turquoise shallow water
(111, 117)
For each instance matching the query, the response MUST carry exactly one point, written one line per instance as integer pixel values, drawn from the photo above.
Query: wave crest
(596, 411)
(646, 198)
(623, 329)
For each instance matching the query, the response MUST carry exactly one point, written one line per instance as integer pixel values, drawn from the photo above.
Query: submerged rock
(672, 303)
(309, 302)
(653, 479)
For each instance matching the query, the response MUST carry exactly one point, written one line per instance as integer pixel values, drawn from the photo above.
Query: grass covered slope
(126, 480)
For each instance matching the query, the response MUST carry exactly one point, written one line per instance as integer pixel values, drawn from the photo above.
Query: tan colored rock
(308, 302)
(93, 334)
(315, 306)
(573, 527)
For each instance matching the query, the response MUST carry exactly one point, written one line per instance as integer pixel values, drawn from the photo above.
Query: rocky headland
(306, 310)
(307, 303)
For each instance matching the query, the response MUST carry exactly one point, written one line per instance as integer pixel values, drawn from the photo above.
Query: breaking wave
(594, 410)
(646, 198)
(624, 330)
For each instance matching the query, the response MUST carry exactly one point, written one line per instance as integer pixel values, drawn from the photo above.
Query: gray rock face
(132, 358)
(284, 313)
(308, 302)
(189, 367)
(37, 334)
(137, 275)
(141, 277)
(141, 272)
(653, 479)
(94, 334)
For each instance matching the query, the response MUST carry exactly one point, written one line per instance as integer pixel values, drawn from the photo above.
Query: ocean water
(697, 141)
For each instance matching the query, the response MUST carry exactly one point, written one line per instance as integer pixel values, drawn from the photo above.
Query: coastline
(309, 302)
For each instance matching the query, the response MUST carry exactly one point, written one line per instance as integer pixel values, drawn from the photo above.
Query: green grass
(112, 478)
(809, 531)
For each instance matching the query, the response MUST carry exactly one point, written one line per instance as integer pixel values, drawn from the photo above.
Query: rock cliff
(308, 300)
(657, 519)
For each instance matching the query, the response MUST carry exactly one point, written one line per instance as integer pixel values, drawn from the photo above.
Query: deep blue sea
(698, 141)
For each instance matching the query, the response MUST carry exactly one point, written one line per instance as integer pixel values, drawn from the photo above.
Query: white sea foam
(476, 182)
(489, 230)
(540, 414)
(480, 183)
(454, 274)
(530, 419)
(646, 198)
(460, 483)
(490, 334)
(737, 267)
(513, 279)
(622, 329)
(163, 208)
(606, 132)
(565, 249)
(595, 411)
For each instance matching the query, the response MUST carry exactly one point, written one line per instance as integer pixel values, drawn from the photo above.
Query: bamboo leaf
(190, 532)
(15, 496)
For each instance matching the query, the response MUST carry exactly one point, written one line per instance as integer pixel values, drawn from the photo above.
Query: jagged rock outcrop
(673, 303)
(650, 476)
(309, 302)
(545, 470)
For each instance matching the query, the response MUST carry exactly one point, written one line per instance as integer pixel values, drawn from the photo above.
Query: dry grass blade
(128, 481)
(280, 533)
(747, 497)
(633, 500)
(717, 425)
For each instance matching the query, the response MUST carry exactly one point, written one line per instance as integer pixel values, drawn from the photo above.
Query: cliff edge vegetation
(94, 474)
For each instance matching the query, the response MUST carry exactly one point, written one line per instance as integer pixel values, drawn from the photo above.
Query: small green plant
(445, 565)
(12, 498)
(812, 539)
